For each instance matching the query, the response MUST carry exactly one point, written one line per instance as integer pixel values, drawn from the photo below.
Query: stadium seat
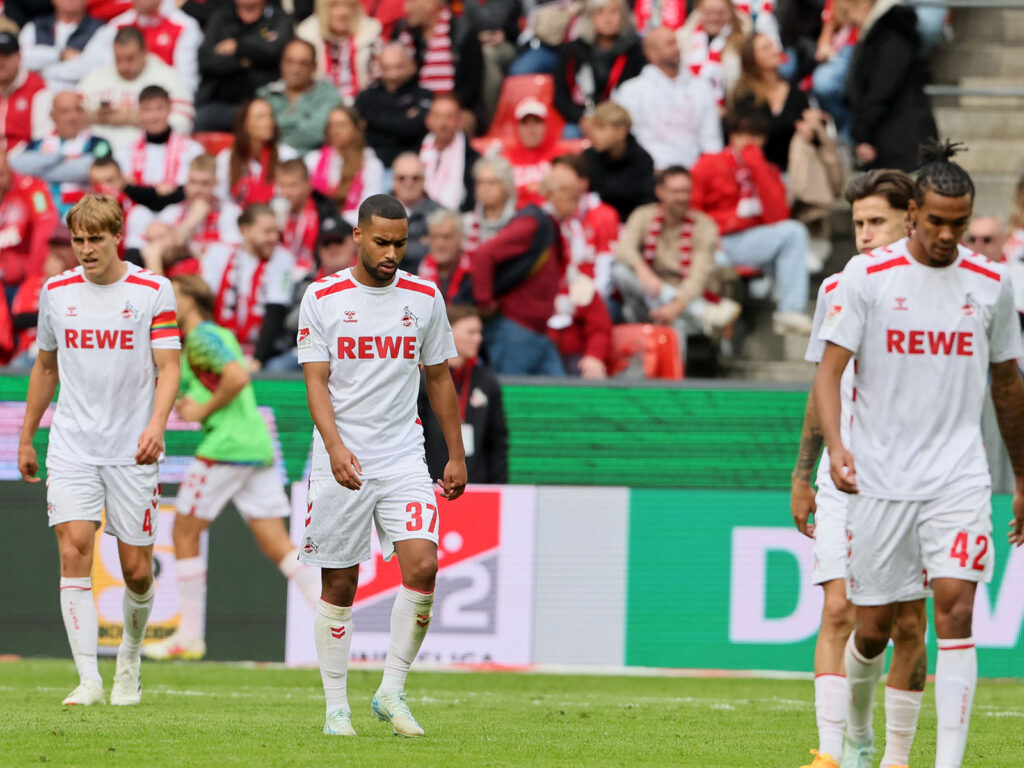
(656, 345)
(214, 141)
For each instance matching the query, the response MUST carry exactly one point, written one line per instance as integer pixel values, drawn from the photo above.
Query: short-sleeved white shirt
(374, 340)
(275, 287)
(923, 338)
(104, 336)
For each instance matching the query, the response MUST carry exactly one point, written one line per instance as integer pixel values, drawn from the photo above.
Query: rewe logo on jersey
(376, 347)
(90, 338)
(929, 342)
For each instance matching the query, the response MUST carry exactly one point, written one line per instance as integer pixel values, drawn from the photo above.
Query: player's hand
(802, 505)
(455, 478)
(188, 409)
(593, 368)
(844, 475)
(28, 465)
(346, 469)
(151, 445)
(1016, 535)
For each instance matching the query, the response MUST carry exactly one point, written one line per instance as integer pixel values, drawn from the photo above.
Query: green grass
(219, 715)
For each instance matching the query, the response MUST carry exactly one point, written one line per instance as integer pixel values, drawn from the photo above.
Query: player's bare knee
(420, 572)
(837, 616)
(955, 621)
(338, 586)
(909, 629)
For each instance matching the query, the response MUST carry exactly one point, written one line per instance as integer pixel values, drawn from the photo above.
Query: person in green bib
(234, 462)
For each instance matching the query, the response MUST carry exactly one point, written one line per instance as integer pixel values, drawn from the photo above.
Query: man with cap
(531, 152)
(24, 97)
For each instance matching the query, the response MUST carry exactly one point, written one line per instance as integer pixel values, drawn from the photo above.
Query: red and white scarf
(243, 321)
(254, 187)
(299, 236)
(327, 176)
(428, 271)
(446, 170)
(437, 73)
(649, 14)
(755, 8)
(173, 152)
(342, 70)
(471, 235)
(685, 241)
(704, 58)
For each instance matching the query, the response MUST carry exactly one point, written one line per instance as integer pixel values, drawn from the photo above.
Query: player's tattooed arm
(812, 439)
(1008, 399)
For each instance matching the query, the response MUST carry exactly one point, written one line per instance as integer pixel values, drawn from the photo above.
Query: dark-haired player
(363, 333)
(879, 199)
(928, 324)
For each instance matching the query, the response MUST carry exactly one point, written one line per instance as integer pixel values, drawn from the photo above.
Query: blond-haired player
(108, 335)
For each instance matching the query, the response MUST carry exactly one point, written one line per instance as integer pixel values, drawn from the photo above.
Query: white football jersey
(105, 336)
(923, 338)
(374, 340)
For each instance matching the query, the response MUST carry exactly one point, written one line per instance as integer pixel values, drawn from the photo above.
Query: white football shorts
(897, 547)
(401, 503)
(129, 492)
(209, 486)
(829, 535)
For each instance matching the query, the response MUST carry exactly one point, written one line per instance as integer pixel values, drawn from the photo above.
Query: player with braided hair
(929, 323)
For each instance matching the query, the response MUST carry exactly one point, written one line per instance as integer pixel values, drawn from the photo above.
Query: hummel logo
(350, 316)
(72, 312)
(337, 632)
(422, 619)
(901, 304)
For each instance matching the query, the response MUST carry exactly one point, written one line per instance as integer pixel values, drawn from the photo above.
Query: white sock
(862, 676)
(82, 625)
(956, 676)
(332, 633)
(901, 711)
(192, 597)
(306, 579)
(410, 618)
(830, 697)
(136, 610)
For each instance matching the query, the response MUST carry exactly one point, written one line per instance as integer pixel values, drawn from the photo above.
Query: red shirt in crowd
(590, 334)
(722, 180)
(16, 107)
(27, 217)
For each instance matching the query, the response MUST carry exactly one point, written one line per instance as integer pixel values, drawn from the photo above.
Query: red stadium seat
(214, 141)
(658, 344)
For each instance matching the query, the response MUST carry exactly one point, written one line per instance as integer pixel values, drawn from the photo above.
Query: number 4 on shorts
(959, 551)
(415, 510)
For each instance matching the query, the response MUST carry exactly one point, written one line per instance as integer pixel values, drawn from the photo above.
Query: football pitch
(209, 714)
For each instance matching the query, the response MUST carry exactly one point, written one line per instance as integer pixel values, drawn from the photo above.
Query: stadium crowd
(566, 166)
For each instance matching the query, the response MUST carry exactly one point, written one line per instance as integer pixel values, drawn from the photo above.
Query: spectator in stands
(202, 219)
(344, 38)
(484, 432)
(162, 254)
(63, 158)
(27, 218)
(800, 29)
(986, 235)
(111, 92)
(606, 54)
(1013, 248)
(408, 178)
(674, 113)
(496, 25)
(580, 326)
(300, 102)
(892, 115)
(710, 42)
(447, 53)
(620, 170)
(495, 189)
(666, 259)
(531, 152)
(744, 194)
(252, 284)
(245, 171)
(760, 87)
(394, 106)
(159, 157)
(516, 274)
(345, 170)
(447, 156)
(242, 51)
(447, 265)
(24, 99)
(834, 52)
(548, 25)
(651, 14)
(52, 45)
(172, 36)
(302, 214)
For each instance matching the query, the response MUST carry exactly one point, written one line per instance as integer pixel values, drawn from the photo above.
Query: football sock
(136, 615)
(862, 677)
(192, 596)
(901, 711)
(830, 708)
(332, 633)
(306, 579)
(82, 625)
(410, 618)
(956, 675)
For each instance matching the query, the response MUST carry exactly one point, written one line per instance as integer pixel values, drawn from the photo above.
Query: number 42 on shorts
(959, 551)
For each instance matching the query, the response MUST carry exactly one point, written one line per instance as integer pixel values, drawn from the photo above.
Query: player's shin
(901, 712)
(306, 579)
(830, 697)
(82, 625)
(332, 633)
(956, 677)
(136, 615)
(410, 618)
(862, 676)
(191, 572)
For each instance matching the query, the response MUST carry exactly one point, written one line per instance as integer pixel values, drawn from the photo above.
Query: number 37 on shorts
(416, 512)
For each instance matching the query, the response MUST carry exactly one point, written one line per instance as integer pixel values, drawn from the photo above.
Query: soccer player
(929, 324)
(108, 335)
(879, 199)
(363, 333)
(234, 462)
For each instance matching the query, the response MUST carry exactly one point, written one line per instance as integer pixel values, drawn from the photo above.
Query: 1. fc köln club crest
(408, 318)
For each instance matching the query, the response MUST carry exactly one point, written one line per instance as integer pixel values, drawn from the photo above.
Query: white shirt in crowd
(445, 171)
(45, 59)
(923, 338)
(275, 287)
(325, 166)
(150, 164)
